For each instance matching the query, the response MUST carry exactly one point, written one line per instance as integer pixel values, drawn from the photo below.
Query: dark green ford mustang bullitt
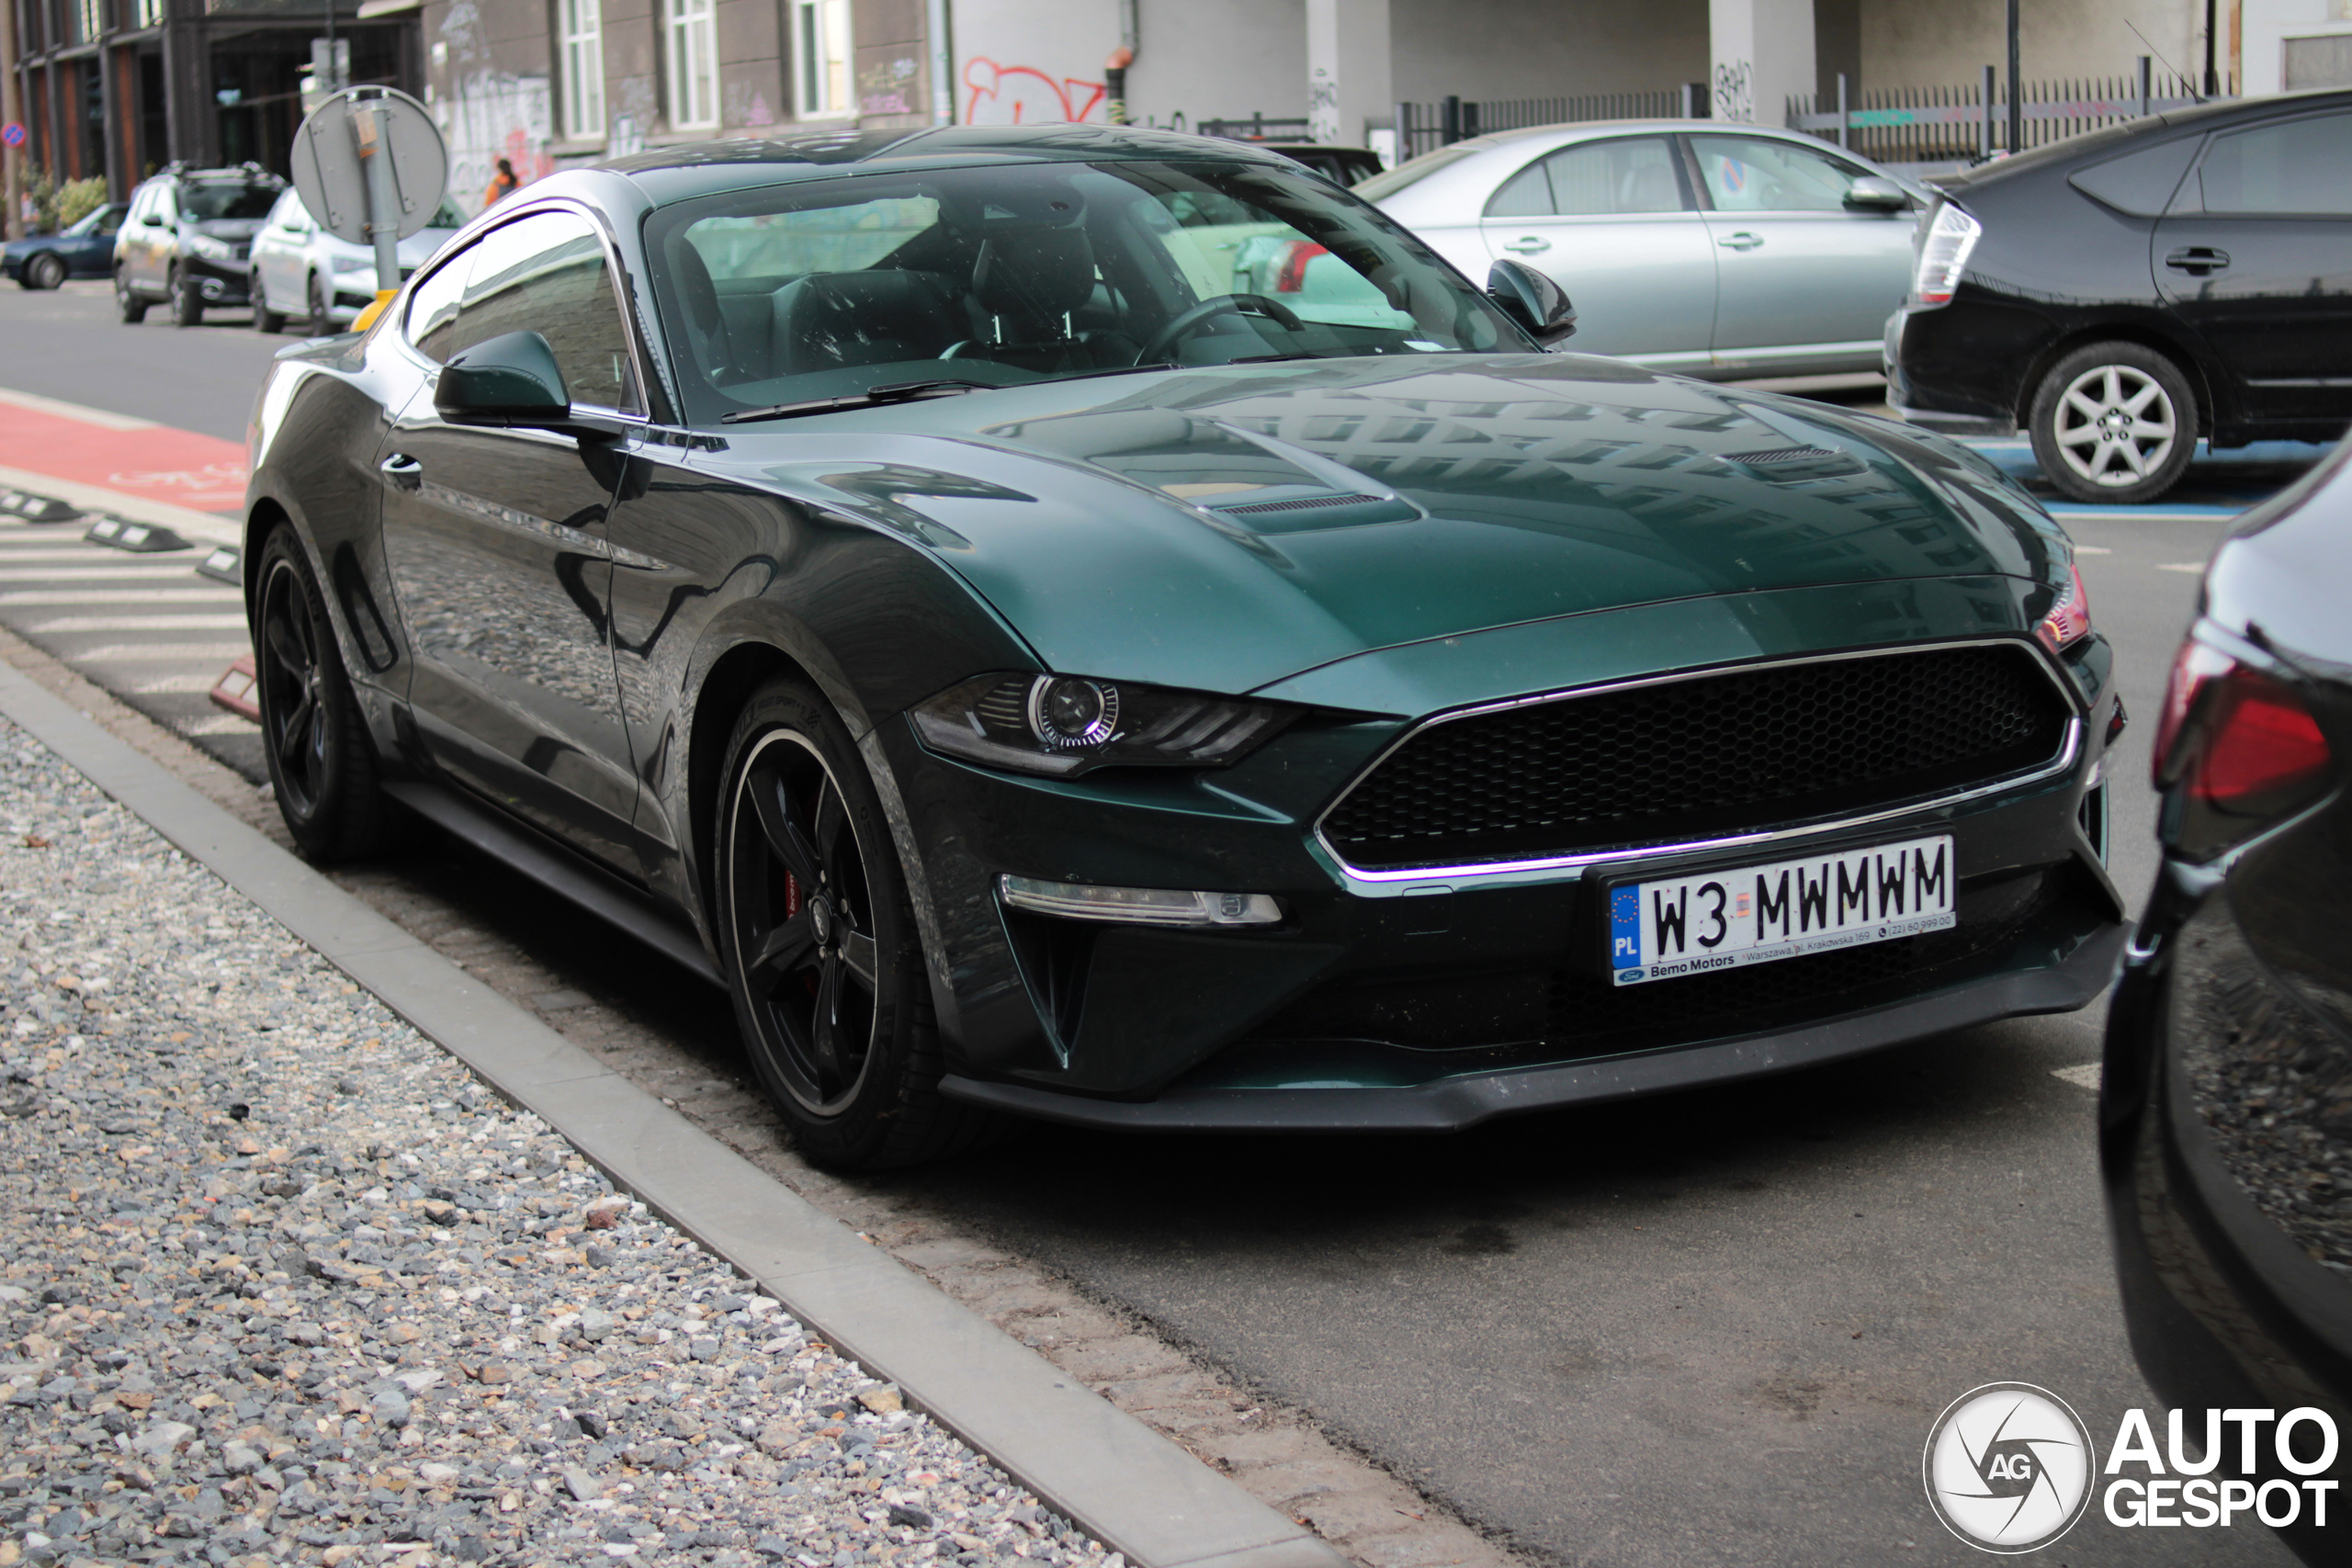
(1100, 624)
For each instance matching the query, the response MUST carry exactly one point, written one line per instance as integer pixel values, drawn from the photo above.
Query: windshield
(203, 201)
(1004, 274)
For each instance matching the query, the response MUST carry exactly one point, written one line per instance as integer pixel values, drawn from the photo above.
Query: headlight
(210, 249)
(1951, 235)
(2069, 619)
(1062, 724)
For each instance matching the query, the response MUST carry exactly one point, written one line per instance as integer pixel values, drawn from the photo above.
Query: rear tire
(188, 305)
(45, 271)
(321, 764)
(264, 318)
(2114, 422)
(819, 942)
(133, 309)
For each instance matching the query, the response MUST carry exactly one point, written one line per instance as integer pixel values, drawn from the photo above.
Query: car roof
(2105, 140)
(698, 168)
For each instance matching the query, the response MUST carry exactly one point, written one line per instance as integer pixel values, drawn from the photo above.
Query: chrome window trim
(2069, 752)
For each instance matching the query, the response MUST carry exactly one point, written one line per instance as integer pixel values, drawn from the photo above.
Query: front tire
(264, 318)
(133, 309)
(188, 305)
(322, 766)
(45, 271)
(818, 938)
(2114, 422)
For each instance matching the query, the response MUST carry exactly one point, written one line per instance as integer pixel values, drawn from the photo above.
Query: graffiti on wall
(1022, 95)
(888, 86)
(489, 116)
(1736, 92)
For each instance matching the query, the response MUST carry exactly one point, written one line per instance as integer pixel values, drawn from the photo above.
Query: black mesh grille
(1702, 758)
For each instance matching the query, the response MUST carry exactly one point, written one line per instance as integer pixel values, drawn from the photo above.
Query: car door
(2256, 258)
(279, 238)
(1612, 222)
(1801, 278)
(496, 540)
(151, 238)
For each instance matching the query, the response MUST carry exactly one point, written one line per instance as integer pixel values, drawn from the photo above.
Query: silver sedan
(302, 272)
(1712, 250)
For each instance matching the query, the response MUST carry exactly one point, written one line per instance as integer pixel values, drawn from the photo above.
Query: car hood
(1222, 529)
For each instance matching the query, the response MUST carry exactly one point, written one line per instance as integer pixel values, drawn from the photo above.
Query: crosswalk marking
(144, 596)
(173, 683)
(163, 653)
(61, 624)
(99, 571)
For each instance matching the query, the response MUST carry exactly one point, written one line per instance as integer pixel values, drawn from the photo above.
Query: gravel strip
(282, 1283)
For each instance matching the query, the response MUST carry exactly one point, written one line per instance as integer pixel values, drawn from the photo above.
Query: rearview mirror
(1534, 300)
(1876, 193)
(511, 380)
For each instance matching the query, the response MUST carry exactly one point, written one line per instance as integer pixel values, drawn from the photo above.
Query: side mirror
(155, 218)
(511, 380)
(1534, 300)
(1876, 193)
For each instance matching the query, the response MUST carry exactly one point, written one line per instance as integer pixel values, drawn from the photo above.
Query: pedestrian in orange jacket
(502, 184)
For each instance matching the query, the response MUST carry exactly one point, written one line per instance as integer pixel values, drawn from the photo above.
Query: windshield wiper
(872, 397)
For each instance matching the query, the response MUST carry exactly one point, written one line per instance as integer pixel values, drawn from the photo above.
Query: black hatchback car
(2226, 1109)
(2121, 293)
(187, 240)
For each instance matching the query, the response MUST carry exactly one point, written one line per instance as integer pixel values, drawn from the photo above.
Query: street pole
(11, 111)
(2212, 75)
(2017, 101)
(942, 63)
(368, 122)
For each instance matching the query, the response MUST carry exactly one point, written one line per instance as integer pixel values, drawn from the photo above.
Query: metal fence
(1933, 124)
(1422, 128)
(1258, 128)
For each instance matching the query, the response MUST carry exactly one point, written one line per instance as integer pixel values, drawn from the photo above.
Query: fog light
(211, 288)
(1139, 905)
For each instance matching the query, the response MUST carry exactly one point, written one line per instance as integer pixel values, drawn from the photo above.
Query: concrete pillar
(1348, 76)
(1762, 54)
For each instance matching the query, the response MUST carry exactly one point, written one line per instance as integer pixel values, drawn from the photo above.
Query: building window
(693, 65)
(90, 20)
(584, 69)
(151, 12)
(821, 44)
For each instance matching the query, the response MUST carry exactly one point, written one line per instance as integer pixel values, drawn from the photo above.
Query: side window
(1753, 174)
(1595, 179)
(109, 221)
(2292, 166)
(546, 274)
(433, 306)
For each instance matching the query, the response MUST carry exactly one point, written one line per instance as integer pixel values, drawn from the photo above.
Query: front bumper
(2233, 1281)
(217, 283)
(1434, 1003)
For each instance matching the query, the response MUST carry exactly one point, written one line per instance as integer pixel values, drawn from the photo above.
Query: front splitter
(1448, 1105)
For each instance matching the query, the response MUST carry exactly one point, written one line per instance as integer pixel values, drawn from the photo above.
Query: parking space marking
(2194, 568)
(2084, 1075)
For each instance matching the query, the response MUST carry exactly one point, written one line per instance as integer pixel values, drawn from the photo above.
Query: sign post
(370, 166)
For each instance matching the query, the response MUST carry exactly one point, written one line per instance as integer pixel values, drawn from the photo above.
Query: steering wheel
(1188, 321)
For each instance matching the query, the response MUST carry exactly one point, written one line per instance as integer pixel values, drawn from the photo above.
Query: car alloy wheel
(264, 318)
(133, 309)
(816, 937)
(2114, 422)
(322, 768)
(46, 271)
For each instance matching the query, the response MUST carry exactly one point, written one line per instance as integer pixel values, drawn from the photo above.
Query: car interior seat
(708, 327)
(1029, 283)
(830, 319)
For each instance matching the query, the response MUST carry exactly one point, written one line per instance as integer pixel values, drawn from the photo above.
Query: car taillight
(2069, 620)
(2236, 751)
(1944, 254)
(1292, 278)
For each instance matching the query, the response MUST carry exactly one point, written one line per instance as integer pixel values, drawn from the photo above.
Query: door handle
(1742, 241)
(1528, 245)
(402, 472)
(2197, 260)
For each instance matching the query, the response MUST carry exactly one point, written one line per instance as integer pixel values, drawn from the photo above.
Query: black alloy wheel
(133, 309)
(264, 318)
(188, 304)
(818, 938)
(322, 765)
(46, 270)
(321, 309)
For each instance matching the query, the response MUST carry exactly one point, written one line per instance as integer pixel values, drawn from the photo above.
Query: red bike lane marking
(202, 473)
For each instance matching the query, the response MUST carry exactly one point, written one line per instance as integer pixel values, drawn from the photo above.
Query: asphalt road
(1706, 1328)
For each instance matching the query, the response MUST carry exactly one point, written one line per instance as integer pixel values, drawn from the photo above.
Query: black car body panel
(85, 247)
(2264, 337)
(2226, 1106)
(562, 626)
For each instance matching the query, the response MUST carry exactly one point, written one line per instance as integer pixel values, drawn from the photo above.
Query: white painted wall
(1218, 60)
(2267, 24)
(1932, 43)
(1030, 61)
(1544, 48)
(1762, 55)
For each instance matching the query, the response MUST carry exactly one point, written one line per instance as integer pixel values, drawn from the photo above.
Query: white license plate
(1722, 919)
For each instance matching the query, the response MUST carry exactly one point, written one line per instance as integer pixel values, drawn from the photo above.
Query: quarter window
(545, 274)
(693, 65)
(584, 69)
(1631, 174)
(820, 49)
(1751, 174)
(2293, 166)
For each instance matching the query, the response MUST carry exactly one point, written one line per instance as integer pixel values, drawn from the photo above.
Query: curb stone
(1123, 1483)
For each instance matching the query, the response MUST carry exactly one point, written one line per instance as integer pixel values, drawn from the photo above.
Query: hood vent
(1792, 465)
(1297, 513)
